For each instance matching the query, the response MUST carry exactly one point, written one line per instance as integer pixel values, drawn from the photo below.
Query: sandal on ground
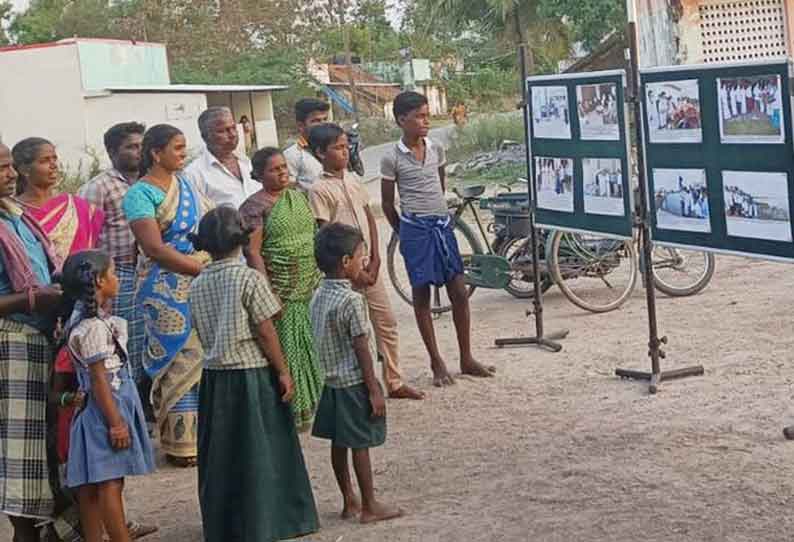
(182, 462)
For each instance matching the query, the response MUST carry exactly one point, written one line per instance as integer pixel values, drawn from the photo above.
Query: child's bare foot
(475, 368)
(441, 377)
(352, 508)
(380, 512)
(406, 392)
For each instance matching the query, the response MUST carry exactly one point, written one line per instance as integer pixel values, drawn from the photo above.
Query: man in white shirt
(303, 166)
(218, 172)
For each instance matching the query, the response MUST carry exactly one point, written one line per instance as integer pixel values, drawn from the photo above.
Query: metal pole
(349, 60)
(644, 222)
(537, 302)
(634, 91)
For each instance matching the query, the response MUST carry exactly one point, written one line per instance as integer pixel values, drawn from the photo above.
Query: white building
(71, 91)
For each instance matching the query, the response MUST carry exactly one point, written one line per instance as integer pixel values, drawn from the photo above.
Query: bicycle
(595, 273)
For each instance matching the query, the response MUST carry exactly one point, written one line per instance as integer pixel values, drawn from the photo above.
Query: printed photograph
(751, 110)
(554, 183)
(681, 200)
(550, 116)
(597, 108)
(756, 205)
(603, 186)
(673, 110)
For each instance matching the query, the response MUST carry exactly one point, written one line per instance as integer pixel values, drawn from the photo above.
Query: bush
(376, 131)
(485, 135)
(487, 89)
(73, 178)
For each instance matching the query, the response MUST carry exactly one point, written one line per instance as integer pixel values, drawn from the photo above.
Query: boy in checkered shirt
(352, 410)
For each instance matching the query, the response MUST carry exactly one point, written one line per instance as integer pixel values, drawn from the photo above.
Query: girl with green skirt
(282, 247)
(253, 484)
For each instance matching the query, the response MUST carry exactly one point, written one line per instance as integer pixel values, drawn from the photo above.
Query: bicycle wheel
(439, 302)
(518, 252)
(595, 273)
(680, 273)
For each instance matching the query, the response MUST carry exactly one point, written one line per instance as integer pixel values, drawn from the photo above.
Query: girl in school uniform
(108, 436)
(253, 483)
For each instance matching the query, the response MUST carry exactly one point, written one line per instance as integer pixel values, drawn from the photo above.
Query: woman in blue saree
(162, 208)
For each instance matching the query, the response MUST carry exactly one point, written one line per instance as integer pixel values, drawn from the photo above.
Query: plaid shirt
(106, 191)
(227, 302)
(339, 314)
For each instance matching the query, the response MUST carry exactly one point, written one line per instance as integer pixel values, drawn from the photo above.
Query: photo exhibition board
(718, 152)
(578, 144)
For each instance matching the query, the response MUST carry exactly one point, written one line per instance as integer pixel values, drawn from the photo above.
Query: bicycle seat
(471, 192)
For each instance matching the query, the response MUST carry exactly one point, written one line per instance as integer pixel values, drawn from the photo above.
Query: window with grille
(737, 30)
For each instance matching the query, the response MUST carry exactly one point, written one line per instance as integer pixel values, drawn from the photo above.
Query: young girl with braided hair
(108, 437)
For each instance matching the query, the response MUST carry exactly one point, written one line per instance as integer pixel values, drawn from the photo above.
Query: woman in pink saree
(71, 223)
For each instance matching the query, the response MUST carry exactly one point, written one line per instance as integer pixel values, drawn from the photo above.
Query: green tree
(5, 18)
(514, 22)
(590, 20)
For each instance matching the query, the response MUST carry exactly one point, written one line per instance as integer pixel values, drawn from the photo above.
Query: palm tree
(517, 21)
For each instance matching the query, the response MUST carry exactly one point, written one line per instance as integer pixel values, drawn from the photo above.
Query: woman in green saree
(282, 247)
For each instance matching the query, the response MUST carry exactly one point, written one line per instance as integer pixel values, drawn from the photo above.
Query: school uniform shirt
(303, 166)
(221, 186)
(228, 300)
(341, 200)
(339, 314)
(418, 183)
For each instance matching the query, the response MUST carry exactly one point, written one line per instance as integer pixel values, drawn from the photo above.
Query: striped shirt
(106, 191)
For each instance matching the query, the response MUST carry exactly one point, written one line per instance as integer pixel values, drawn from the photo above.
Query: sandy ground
(557, 448)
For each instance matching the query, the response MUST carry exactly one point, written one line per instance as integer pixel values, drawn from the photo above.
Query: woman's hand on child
(120, 437)
(378, 402)
(287, 386)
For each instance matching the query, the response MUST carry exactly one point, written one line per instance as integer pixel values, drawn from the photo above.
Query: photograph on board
(550, 116)
(554, 183)
(751, 109)
(756, 205)
(597, 108)
(603, 186)
(681, 200)
(673, 111)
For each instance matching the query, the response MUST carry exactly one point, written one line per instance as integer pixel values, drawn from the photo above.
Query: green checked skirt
(253, 484)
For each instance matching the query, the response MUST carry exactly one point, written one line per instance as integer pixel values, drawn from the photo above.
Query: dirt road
(558, 449)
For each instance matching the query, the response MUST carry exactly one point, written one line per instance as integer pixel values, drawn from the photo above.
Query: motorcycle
(355, 164)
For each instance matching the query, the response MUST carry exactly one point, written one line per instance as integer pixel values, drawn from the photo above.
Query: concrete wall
(106, 64)
(180, 110)
(670, 30)
(41, 95)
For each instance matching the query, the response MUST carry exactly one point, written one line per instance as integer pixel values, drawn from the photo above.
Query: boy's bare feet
(475, 368)
(380, 512)
(406, 392)
(441, 377)
(352, 508)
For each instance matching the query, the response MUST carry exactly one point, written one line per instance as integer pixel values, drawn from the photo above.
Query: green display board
(718, 149)
(578, 148)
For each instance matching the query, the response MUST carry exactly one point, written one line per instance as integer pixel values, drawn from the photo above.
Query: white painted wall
(41, 95)
(180, 110)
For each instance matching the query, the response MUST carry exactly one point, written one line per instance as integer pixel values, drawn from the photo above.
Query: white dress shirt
(219, 184)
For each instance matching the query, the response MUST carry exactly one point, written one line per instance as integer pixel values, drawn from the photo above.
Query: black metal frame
(656, 376)
(540, 340)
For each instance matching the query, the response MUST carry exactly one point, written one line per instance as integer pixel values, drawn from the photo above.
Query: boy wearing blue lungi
(415, 166)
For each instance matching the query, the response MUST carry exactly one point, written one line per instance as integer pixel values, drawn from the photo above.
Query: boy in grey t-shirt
(427, 241)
